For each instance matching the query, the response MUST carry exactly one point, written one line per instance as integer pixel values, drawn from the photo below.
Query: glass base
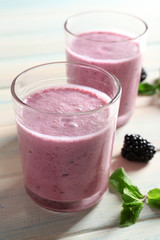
(65, 206)
(122, 120)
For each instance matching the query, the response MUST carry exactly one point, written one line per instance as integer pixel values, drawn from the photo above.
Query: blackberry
(136, 148)
(143, 75)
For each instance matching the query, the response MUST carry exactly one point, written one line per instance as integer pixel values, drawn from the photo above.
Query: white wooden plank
(142, 230)
(30, 45)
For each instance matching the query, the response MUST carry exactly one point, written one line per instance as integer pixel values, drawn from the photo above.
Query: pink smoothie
(66, 158)
(116, 53)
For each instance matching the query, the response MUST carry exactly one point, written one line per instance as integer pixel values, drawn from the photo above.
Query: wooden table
(32, 33)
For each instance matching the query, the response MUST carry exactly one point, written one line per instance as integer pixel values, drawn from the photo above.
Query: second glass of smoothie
(114, 41)
(66, 130)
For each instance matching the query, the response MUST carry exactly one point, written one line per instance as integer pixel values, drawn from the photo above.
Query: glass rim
(21, 102)
(105, 11)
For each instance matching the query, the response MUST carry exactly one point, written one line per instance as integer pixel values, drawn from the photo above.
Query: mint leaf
(158, 86)
(147, 89)
(154, 198)
(130, 213)
(129, 197)
(120, 180)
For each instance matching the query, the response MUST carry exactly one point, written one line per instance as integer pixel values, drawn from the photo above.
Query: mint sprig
(149, 89)
(133, 199)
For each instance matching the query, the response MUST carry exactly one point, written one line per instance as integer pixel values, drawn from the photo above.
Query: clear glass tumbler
(114, 41)
(66, 132)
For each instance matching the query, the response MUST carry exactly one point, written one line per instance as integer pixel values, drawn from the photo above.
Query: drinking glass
(66, 132)
(114, 41)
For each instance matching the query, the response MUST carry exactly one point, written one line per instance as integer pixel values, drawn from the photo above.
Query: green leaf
(158, 86)
(154, 198)
(120, 180)
(130, 213)
(147, 89)
(128, 196)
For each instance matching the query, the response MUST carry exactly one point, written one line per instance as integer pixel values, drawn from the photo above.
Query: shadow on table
(21, 218)
(146, 101)
(118, 161)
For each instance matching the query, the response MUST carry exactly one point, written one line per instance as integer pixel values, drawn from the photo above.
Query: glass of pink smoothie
(114, 41)
(66, 132)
